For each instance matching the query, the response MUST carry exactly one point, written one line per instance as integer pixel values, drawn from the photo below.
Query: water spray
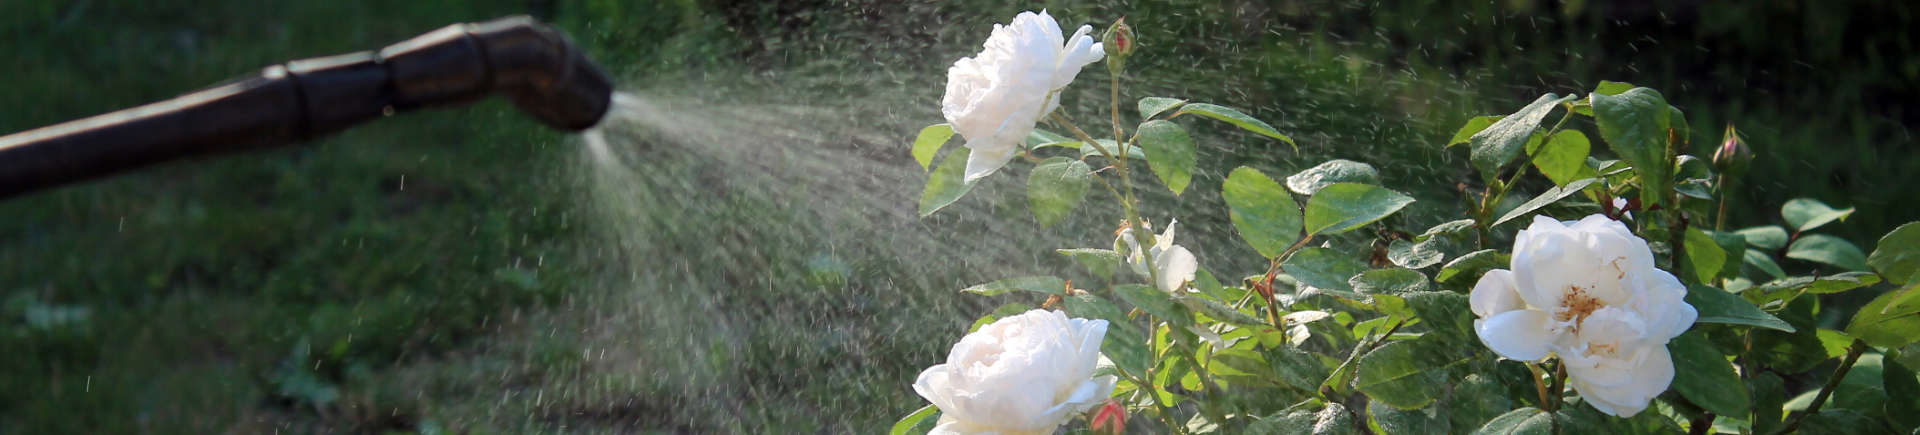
(532, 64)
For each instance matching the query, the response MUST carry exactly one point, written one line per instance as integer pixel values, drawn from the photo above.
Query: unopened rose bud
(1109, 419)
(1733, 156)
(1118, 43)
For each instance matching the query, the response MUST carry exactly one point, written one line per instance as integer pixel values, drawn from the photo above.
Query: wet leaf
(1170, 153)
(1500, 142)
(1472, 265)
(1388, 281)
(1333, 171)
(1099, 262)
(1523, 421)
(1055, 187)
(1563, 158)
(946, 184)
(1704, 376)
(1765, 237)
(1548, 197)
(1155, 302)
(1153, 106)
(1324, 268)
(1718, 306)
(1897, 255)
(1234, 116)
(1037, 284)
(1881, 327)
(1829, 250)
(1634, 124)
(1807, 213)
(1267, 217)
(1473, 127)
(928, 143)
(1343, 207)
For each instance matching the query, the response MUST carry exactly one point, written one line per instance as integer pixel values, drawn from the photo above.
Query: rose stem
(1839, 373)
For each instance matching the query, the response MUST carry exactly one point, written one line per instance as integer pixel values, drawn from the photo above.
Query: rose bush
(1648, 317)
(1589, 293)
(1024, 374)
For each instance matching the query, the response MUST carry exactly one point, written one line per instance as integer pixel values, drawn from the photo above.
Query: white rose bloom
(1589, 293)
(994, 98)
(1174, 264)
(1024, 374)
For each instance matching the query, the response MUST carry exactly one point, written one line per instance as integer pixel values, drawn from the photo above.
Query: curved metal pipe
(533, 65)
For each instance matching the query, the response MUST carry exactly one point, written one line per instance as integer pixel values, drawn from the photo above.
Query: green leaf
(1548, 197)
(1235, 117)
(1296, 367)
(1473, 127)
(1881, 327)
(1056, 187)
(1155, 302)
(1413, 255)
(929, 142)
(1038, 136)
(1407, 374)
(1153, 106)
(1333, 171)
(910, 424)
(1613, 88)
(1265, 214)
(1343, 207)
(1769, 392)
(1763, 262)
(1388, 281)
(1901, 383)
(1447, 316)
(1089, 151)
(1324, 268)
(1499, 143)
(1829, 250)
(1099, 262)
(946, 184)
(1765, 237)
(1564, 157)
(1704, 254)
(1634, 124)
(1389, 420)
(1331, 420)
(1219, 312)
(1170, 151)
(1704, 376)
(1718, 306)
(1807, 213)
(1897, 256)
(1822, 285)
(1472, 265)
(1527, 421)
(1037, 284)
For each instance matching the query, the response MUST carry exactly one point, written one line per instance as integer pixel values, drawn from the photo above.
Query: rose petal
(1495, 294)
(1522, 335)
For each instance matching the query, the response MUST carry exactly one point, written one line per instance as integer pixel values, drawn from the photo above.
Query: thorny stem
(1061, 119)
(1853, 355)
(1559, 385)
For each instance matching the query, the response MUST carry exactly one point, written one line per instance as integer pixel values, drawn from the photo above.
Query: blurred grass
(508, 286)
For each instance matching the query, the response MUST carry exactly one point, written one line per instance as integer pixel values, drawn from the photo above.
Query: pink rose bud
(1118, 43)
(1733, 156)
(1110, 418)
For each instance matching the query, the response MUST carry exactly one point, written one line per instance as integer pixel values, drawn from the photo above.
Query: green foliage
(928, 143)
(1634, 124)
(1266, 216)
(1333, 171)
(1703, 375)
(1829, 250)
(1504, 140)
(946, 184)
(1037, 284)
(1804, 214)
(1717, 306)
(1170, 151)
(1897, 255)
(1154, 106)
(1237, 118)
(1055, 187)
(1343, 207)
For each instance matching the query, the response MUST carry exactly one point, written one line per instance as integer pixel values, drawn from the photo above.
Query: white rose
(1024, 374)
(994, 98)
(1589, 293)
(1174, 264)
